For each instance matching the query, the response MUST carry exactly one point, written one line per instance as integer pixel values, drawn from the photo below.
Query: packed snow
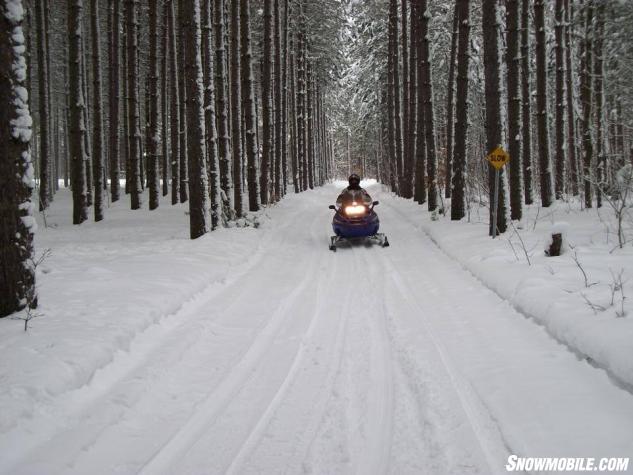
(258, 350)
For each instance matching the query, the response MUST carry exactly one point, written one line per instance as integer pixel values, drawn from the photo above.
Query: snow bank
(584, 298)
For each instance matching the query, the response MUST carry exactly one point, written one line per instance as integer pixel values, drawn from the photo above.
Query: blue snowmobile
(356, 220)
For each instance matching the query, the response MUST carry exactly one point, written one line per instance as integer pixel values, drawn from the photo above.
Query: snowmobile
(356, 222)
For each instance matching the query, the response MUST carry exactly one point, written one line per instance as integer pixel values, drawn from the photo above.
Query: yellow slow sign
(498, 158)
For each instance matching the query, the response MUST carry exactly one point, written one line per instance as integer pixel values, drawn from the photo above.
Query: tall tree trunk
(560, 99)
(427, 98)
(132, 105)
(43, 107)
(98, 156)
(213, 167)
(198, 191)
(406, 182)
(391, 113)
(301, 105)
(458, 183)
(115, 99)
(236, 106)
(17, 223)
(571, 119)
(545, 169)
(284, 102)
(526, 109)
(396, 96)
(494, 127)
(293, 117)
(586, 99)
(513, 61)
(77, 116)
(248, 98)
(310, 126)
(222, 106)
(278, 88)
(598, 74)
(174, 105)
(267, 101)
(450, 102)
(164, 99)
(182, 53)
(153, 142)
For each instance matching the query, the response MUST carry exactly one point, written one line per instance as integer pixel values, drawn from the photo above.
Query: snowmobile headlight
(355, 210)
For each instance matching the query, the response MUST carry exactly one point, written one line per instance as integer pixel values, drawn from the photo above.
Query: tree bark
(598, 74)
(559, 184)
(198, 190)
(98, 157)
(174, 105)
(278, 88)
(542, 121)
(513, 61)
(132, 105)
(43, 107)
(450, 102)
(153, 142)
(236, 108)
(526, 108)
(17, 224)
(458, 181)
(571, 116)
(586, 100)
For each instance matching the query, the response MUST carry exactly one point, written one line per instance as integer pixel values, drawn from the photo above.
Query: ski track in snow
(367, 361)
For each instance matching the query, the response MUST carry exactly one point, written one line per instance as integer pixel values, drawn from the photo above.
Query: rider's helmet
(354, 180)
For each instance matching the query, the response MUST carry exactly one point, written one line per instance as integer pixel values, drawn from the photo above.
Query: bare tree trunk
(560, 99)
(293, 117)
(513, 61)
(174, 105)
(406, 181)
(43, 107)
(396, 96)
(222, 107)
(494, 127)
(598, 74)
(450, 102)
(586, 99)
(132, 104)
(213, 167)
(458, 183)
(236, 109)
(77, 106)
(184, 151)
(571, 119)
(526, 109)
(301, 106)
(164, 99)
(98, 158)
(115, 95)
(153, 145)
(278, 88)
(17, 275)
(545, 170)
(267, 101)
(198, 191)
(248, 106)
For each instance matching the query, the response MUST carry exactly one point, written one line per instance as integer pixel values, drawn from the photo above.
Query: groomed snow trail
(367, 360)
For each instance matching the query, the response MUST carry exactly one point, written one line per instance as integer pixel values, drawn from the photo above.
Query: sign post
(497, 158)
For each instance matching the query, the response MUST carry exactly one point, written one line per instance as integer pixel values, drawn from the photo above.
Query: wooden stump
(555, 246)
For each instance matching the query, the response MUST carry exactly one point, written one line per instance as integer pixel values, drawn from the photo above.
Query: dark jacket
(353, 194)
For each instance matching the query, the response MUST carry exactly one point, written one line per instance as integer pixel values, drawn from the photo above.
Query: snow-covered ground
(261, 351)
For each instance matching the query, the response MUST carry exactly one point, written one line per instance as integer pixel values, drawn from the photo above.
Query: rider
(353, 193)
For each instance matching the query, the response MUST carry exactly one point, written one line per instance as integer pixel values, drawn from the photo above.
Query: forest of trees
(228, 105)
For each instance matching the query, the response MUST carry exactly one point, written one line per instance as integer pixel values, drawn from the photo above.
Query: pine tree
(17, 224)
(115, 91)
(267, 102)
(278, 93)
(236, 107)
(153, 145)
(248, 98)
(458, 181)
(542, 120)
(174, 106)
(513, 61)
(494, 128)
(222, 106)
(134, 138)
(198, 188)
(571, 116)
(98, 152)
(598, 74)
(43, 107)
(559, 183)
(526, 108)
(450, 101)
(586, 100)
(77, 117)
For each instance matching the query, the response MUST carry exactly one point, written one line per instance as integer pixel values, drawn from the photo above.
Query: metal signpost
(497, 158)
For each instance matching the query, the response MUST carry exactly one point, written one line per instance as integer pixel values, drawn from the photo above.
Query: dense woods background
(230, 104)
